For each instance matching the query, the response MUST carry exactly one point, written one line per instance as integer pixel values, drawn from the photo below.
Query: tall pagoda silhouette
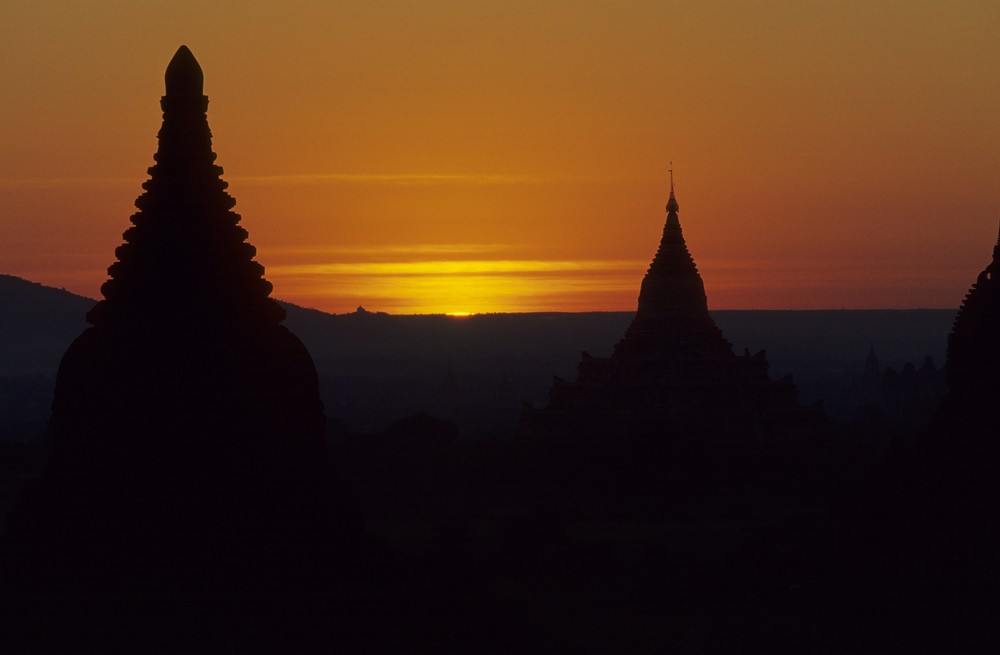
(673, 373)
(186, 330)
(968, 411)
(188, 486)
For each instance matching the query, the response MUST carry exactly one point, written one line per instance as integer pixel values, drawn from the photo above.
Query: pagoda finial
(672, 205)
(184, 77)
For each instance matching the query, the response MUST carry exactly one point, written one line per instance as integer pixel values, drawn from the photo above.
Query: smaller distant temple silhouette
(968, 411)
(673, 375)
(908, 396)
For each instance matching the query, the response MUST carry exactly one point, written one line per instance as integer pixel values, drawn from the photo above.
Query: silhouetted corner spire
(973, 347)
(996, 248)
(184, 77)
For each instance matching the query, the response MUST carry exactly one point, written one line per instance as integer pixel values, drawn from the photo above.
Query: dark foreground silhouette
(188, 502)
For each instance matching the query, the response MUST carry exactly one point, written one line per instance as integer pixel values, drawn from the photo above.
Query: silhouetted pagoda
(186, 330)
(188, 489)
(674, 374)
(969, 409)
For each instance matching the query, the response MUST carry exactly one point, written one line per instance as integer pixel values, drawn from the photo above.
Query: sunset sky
(478, 156)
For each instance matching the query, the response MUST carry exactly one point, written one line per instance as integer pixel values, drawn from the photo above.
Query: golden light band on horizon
(462, 287)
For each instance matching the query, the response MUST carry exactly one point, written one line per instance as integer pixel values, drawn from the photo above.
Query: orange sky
(511, 156)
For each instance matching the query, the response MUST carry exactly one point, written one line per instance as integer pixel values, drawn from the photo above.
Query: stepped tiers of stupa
(188, 482)
(673, 375)
(186, 330)
(973, 366)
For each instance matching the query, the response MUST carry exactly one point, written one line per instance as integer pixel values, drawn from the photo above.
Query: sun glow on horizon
(468, 286)
(457, 287)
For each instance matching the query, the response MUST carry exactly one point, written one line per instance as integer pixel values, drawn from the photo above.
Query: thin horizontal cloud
(822, 268)
(455, 267)
(70, 183)
(476, 179)
(399, 179)
(416, 250)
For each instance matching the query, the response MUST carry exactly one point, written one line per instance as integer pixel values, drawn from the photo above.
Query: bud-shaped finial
(184, 77)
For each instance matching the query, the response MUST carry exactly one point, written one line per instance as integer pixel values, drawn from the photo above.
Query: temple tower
(188, 483)
(673, 374)
(672, 323)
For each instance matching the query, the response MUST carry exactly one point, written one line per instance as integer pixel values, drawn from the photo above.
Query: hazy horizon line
(302, 305)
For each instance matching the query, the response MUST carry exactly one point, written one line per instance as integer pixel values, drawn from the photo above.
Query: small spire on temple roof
(672, 205)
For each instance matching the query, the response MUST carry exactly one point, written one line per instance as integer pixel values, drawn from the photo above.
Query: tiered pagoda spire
(186, 304)
(672, 314)
(672, 280)
(185, 257)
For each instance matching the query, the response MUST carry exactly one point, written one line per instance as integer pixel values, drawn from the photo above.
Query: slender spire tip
(672, 205)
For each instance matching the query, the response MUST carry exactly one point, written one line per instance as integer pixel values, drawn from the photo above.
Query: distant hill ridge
(38, 323)
(377, 367)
